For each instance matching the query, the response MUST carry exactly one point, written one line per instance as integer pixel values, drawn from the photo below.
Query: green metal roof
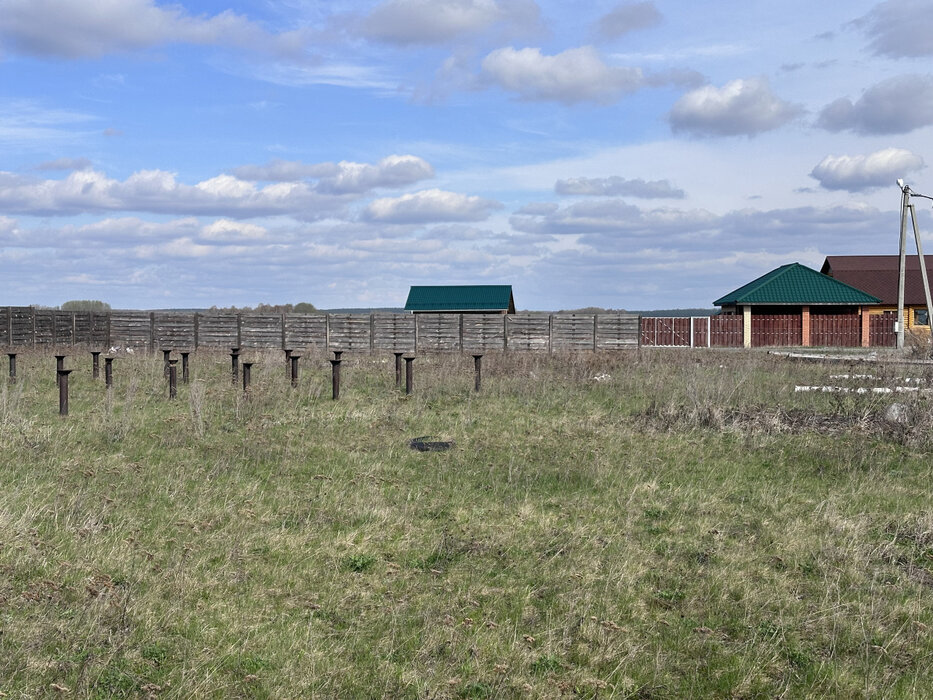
(796, 284)
(468, 297)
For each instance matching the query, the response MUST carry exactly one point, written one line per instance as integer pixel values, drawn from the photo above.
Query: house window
(921, 317)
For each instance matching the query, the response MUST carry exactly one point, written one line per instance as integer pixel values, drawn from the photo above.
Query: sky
(624, 155)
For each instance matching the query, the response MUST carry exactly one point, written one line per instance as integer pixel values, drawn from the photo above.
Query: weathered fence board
(573, 332)
(218, 330)
(22, 327)
(131, 329)
(616, 331)
(438, 332)
(90, 328)
(305, 331)
(5, 322)
(63, 331)
(173, 330)
(527, 332)
(349, 332)
(44, 327)
(26, 326)
(394, 332)
(261, 330)
(483, 332)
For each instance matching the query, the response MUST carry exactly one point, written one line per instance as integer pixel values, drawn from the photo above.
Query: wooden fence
(692, 331)
(152, 330)
(768, 330)
(26, 326)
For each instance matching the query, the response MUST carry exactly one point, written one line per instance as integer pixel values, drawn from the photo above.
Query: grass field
(651, 524)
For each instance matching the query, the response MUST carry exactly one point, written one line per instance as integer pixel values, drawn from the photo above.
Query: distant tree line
(85, 305)
(302, 307)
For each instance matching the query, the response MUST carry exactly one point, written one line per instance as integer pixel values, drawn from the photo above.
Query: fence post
(152, 331)
(247, 367)
(63, 391)
(235, 363)
(335, 377)
(197, 329)
(172, 379)
(409, 375)
(691, 332)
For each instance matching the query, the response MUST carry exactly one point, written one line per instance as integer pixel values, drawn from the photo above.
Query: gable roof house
(787, 306)
(461, 299)
(878, 275)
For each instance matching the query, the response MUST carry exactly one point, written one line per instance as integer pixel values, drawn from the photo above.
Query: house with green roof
(784, 306)
(461, 299)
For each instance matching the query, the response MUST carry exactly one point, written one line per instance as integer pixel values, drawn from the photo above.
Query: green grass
(686, 526)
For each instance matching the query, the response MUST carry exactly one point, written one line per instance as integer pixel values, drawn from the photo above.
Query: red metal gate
(835, 330)
(726, 331)
(665, 332)
(770, 330)
(881, 330)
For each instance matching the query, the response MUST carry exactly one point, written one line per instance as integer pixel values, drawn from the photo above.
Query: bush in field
(85, 305)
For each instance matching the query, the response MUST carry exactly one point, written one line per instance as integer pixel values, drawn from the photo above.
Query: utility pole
(907, 207)
(902, 267)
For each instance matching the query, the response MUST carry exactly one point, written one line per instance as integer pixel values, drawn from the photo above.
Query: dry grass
(651, 524)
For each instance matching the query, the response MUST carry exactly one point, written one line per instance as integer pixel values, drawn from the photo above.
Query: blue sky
(628, 155)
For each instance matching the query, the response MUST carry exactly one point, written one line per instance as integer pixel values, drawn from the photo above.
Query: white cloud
(345, 177)
(628, 17)
(857, 173)
(393, 171)
(895, 106)
(615, 186)
(439, 21)
(613, 216)
(158, 191)
(900, 28)
(80, 29)
(225, 230)
(432, 205)
(574, 75)
(741, 107)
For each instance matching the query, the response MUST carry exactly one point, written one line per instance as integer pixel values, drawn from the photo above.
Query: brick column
(866, 326)
(805, 326)
(746, 326)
